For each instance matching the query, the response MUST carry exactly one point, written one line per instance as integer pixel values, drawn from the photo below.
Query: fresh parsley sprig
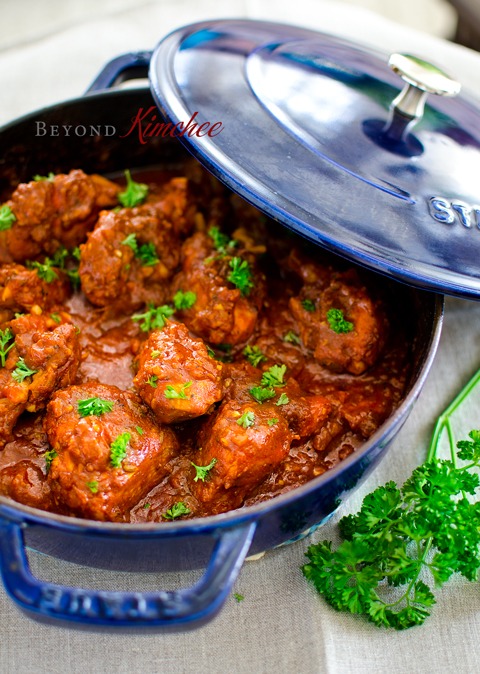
(172, 393)
(274, 376)
(184, 300)
(94, 407)
(337, 321)
(240, 275)
(118, 449)
(404, 538)
(203, 472)
(145, 252)
(7, 217)
(177, 510)
(22, 371)
(154, 318)
(254, 355)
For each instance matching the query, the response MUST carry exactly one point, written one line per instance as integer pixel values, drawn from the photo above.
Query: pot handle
(130, 66)
(193, 605)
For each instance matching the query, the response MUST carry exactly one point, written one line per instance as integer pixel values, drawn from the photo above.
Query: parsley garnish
(154, 318)
(241, 275)
(153, 381)
(203, 471)
(291, 337)
(272, 421)
(177, 510)
(44, 269)
(7, 217)
(5, 336)
(94, 407)
(260, 394)
(49, 455)
(283, 400)
(146, 253)
(238, 597)
(220, 240)
(50, 177)
(246, 420)
(134, 194)
(428, 526)
(93, 486)
(118, 449)
(172, 393)
(336, 320)
(274, 376)
(308, 305)
(254, 355)
(56, 317)
(184, 300)
(22, 371)
(139, 430)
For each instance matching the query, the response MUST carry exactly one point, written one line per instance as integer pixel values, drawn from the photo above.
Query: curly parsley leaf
(50, 177)
(202, 472)
(246, 420)
(177, 510)
(94, 407)
(22, 371)
(184, 300)
(254, 355)
(337, 322)
(154, 318)
(172, 393)
(7, 342)
(282, 400)
(146, 252)
(221, 241)
(7, 217)
(45, 270)
(274, 376)
(261, 393)
(49, 455)
(291, 337)
(240, 275)
(134, 194)
(118, 449)
(92, 485)
(308, 305)
(152, 381)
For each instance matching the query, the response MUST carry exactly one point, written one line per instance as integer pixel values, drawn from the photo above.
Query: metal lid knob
(421, 78)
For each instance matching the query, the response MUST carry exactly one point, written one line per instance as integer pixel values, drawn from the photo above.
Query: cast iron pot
(37, 144)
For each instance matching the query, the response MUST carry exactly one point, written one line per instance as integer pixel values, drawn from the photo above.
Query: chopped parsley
(93, 486)
(44, 269)
(254, 355)
(146, 252)
(238, 597)
(220, 240)
(49, 455)
(155, 353)
(22, 371)
(172, 393)
(94, 407)
(274, 376)
(336, 321)
(260, 394)
(7, 217)
(184, 300)
(154, 318)
(139, 430)
(153, 381)
(308, 305)
(5, 337)
(50, 177)
(118, 449)
(134, 194)
(177, 510)
(240, 275)
(246, 420)
(56, 317)
(202, 472)
(272, 421)
(283, 400)
(291, 337)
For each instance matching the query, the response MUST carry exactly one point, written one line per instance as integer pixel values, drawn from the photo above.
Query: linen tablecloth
(281, 626)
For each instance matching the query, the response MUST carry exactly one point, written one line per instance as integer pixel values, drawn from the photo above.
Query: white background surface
(281, 627)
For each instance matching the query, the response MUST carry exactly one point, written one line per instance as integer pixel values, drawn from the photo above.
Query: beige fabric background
(281, 627)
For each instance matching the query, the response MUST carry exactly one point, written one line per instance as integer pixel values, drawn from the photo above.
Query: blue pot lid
(301, 125)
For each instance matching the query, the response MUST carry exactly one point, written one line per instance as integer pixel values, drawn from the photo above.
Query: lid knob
(421, 78)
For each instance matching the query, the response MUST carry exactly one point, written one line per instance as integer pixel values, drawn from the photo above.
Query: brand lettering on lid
(453, 212)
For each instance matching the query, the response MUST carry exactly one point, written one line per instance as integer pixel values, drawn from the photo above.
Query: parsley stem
(443, 420)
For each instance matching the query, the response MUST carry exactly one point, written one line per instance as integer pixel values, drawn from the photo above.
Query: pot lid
(323, 136)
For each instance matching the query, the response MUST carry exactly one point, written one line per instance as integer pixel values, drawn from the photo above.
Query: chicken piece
(176, 376)
(245, 442)
(339, 320)
(52, 213)
(128, 258)
(222, 313)
(41, 356)
(21, 289)
(173, 204)
(109, 453)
